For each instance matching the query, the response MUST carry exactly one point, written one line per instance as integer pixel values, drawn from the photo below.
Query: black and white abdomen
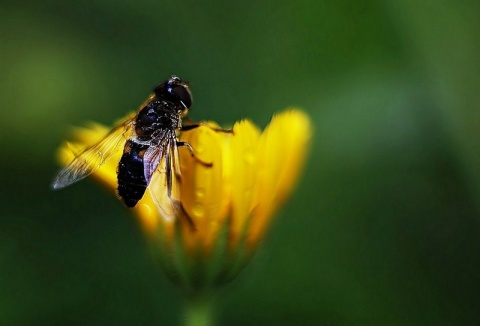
(130, 173)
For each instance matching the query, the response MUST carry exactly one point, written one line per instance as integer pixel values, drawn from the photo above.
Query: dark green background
(384, 227)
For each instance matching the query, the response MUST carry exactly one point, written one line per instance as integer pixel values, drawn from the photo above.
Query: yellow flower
(231, 203)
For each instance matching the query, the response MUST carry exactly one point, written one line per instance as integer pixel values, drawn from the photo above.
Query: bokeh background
(385, 225)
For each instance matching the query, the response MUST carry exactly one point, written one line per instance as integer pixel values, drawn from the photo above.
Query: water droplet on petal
(198, 210)
(199, 193)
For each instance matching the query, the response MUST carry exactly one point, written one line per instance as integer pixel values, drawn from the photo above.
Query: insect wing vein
(153, 156)
(167, 205)
(94, 156)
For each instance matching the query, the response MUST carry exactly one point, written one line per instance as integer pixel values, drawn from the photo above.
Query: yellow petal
(243, 162)
(281, 154)
(203, 192)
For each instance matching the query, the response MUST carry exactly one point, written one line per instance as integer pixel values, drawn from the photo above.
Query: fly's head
(177, 91)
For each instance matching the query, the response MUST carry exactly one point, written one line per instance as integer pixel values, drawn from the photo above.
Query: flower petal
(202, 188)
(281, 154)
(243, 148)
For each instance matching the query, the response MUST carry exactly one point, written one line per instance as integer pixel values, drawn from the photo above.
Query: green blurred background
(384, 227)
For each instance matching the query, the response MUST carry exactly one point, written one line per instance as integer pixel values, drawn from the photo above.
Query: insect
(149, 138)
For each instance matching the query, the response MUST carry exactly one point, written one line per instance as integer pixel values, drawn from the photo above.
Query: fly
(149, 138)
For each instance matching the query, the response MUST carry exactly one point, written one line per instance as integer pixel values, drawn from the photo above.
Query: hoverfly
(149, 138)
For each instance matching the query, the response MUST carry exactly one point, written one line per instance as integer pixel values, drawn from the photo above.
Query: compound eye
(183, 93)
(161, 89)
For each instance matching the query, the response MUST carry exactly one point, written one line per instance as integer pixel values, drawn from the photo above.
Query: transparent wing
(94, 156)
(154, 155)
(164, 185)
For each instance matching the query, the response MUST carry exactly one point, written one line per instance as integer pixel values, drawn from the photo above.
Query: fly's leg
(187, 145)
(178, 204)
(196, 125)
(176, 163)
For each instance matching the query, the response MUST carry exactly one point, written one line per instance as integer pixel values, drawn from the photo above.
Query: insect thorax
(157, 115)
